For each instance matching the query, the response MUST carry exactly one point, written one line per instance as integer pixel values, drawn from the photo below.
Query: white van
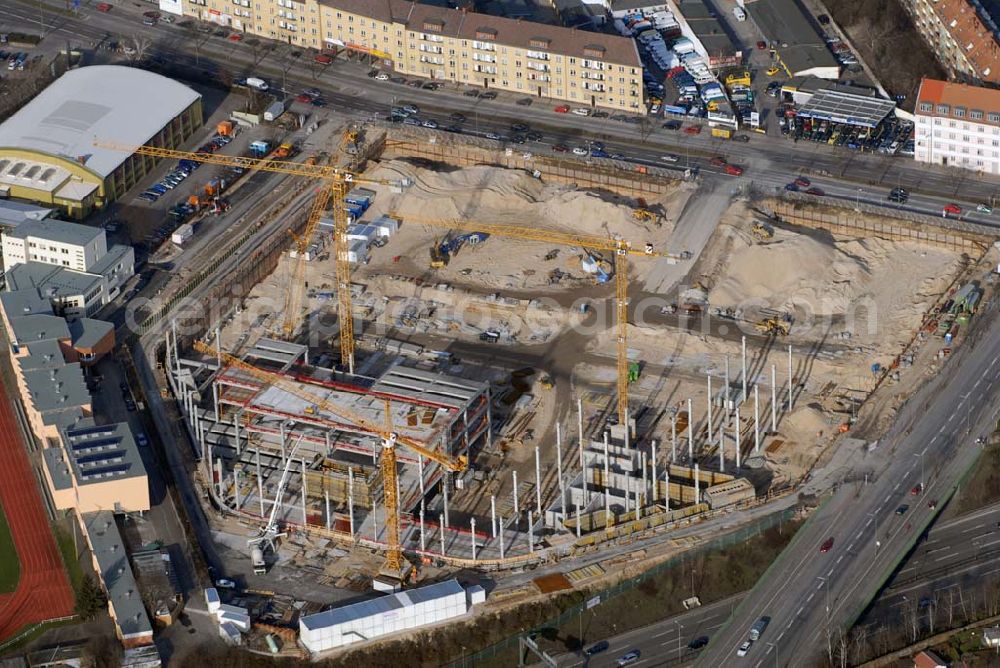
(259, 84)
(739, 14)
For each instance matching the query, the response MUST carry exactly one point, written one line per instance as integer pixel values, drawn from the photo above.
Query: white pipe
(493, 515)
(531, 534)
(305, 496)
(326, 498)
(697, 483)
(607, 478)
(722, 453)
(423, 537)
(579, 519)
(444, 489)
(420, 472)
(673, 438)
(260, 484)
(502, 553)
(737, 439)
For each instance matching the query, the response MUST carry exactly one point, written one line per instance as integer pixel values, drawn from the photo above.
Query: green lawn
(10, 569)
(65, 541)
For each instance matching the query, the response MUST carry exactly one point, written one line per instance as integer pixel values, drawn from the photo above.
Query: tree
(90, 598)
(102, 651)
(137, 47)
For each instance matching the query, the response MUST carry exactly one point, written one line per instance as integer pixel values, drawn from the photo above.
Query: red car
(235, 37)
(825, 547)
(562, 109)
(302, 97)
(717, 162)
(953, 209)
(323, 59)
(817, 192)
(692, 130)
(919, 487)
(803, 182)
(761, 45)
(103, 7)
(733, 170)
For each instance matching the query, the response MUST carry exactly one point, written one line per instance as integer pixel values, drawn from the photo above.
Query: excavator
(774, 326)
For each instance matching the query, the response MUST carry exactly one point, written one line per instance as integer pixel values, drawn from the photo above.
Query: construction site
(532, 364)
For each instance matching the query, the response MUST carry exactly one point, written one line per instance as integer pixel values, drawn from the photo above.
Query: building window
(993, 117)
(942, 109)
(976, 115)
(960, 112)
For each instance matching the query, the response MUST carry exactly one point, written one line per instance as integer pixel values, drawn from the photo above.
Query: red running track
(43, 590)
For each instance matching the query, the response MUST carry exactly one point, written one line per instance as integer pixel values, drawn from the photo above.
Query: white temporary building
(349, 624)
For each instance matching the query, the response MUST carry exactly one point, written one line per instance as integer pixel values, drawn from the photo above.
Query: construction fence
(839, 216)
(628, 586)
(622, 178)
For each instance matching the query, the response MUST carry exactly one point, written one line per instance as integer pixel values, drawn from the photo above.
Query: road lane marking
(850, 547)
(840, 558)
(946, 556)
(869, 522)
(829, 572)
(810, 597)
(887, 497)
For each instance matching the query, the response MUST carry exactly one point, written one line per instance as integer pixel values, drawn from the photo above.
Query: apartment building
(962, 34)
(54, 242)
(451, 45)
(958, 125)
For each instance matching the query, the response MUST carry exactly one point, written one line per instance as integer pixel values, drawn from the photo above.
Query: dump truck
(722, 133)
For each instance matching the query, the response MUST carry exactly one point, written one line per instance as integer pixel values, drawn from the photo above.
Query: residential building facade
(962, 36)
(958, 125)
(451, 45)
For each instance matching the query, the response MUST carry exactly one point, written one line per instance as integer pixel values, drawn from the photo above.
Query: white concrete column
(628, 492)
(420, 472)
(559, 472)
(774, 400)
(260, 485)
(423, 529)
(697, 484)
(579, 520)
(472, 524)
(517, 510)
(538, 480)
(722, 453)
(531, 534)
(725, 400)
(215, 400)
(790, 382)
(493, 515)
(743, 395)
(656, 484)
(326, 500)
(305, 496)
(350, 499)
(442, 541)
(738, 427)
(709, 402)
(690, 433)
(444, 490)
(756, 420)
(645, 480)
(607, 477)
(583, 470)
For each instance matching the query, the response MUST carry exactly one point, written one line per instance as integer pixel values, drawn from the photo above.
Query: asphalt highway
(810, 593)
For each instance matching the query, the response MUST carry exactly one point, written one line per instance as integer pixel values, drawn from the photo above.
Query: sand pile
(868, 287)
(497, 195)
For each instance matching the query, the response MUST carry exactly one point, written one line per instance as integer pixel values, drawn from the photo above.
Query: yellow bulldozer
(774, 326)
(762, 231)
(642, 214)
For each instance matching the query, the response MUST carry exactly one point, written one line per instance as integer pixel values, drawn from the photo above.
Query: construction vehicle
(634, 370)
(590, 243)
(774, 326)
(351, 142)
(449, 245)
(269, 534)
(643, 214)
(337, 185)
(722, 133)
(284, 151)
(394, 566)
(762, 231)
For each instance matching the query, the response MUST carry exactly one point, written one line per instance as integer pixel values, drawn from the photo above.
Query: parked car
(488, 95)
(562, 109)
(815, 192)
(670, 157)
(984, 208)
(733, 170)
(581, 111)
(803, 182)
(223, 583)
(672, 125)
(693, 130)
(524, 102)
(411, 108)
(952, 209)
(579, 150)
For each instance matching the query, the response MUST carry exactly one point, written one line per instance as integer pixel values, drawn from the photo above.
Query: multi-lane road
(812, 595)
(771, 161)
(953, 551)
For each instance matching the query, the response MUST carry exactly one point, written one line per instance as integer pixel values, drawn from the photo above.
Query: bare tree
(140, 45)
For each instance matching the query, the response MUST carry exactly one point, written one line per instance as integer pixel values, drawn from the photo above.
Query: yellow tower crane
(336, 183)
(394, 551)
(621, 249)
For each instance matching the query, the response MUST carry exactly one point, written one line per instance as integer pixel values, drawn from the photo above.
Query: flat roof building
(845, 107)
(958, 125)
(47, 151)
(111, 563)
(798, 46)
